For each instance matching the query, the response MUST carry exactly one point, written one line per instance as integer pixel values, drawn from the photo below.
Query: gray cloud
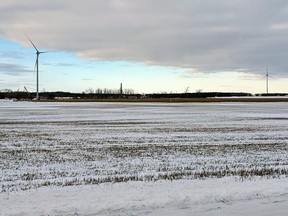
(11, 55)
(207, 36)
(13, 69)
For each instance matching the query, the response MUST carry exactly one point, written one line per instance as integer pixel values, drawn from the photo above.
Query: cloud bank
(12, 69)
(204, 36)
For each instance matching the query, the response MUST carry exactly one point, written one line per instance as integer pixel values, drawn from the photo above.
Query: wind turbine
(37, 67)
(267, 80)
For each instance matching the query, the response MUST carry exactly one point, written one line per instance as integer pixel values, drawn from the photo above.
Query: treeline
(66, 95)
(17, 95)
(198, 95)
(109, 94)
(109, 91)
(272, 94)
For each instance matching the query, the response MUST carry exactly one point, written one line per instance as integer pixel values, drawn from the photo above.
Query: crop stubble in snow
(64, 144)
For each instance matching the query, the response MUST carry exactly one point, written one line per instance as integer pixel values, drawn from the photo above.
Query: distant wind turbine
(37, 67)
(267, 80)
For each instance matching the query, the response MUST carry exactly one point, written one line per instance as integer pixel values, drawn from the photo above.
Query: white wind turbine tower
(267, 80)
(37, 67)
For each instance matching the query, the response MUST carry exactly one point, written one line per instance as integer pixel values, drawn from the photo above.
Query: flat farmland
(66, 144)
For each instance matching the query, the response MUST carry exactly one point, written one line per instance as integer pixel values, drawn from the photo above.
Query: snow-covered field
(143, 159)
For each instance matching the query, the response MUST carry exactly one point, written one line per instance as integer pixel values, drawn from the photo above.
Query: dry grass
(84, 148)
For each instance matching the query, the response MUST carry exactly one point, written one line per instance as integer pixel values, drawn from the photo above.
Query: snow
(143, 159)
(184, 197)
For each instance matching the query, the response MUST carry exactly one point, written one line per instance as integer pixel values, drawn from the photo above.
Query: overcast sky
(149, 45)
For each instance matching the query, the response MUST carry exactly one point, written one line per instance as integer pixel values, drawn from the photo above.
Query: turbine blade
(46, 52)
(35, 67)
(32, 43)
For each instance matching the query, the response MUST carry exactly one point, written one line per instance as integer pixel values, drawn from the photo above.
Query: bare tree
(99, 91)
(89, 91)
(6, 90)
(128, 91)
